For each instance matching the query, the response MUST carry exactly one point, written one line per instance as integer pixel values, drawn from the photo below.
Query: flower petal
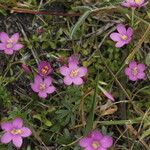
(141, 75)
(8, 51)
(84, 142)
(6, 138)
(50, 89)
(132, 64)
(26, 132)
(106, 141)
(35, 87)
(72, 66)
(17, 141)
(133, 78)
(17, 47)
(121, 29)
(67, 80)
(38, 79)
(2, 46)
(64, 70)
(115, 36)
(82, 71)
(18, 122)
(127, 71)
(126, 4)
(120, 44)
(42, 94)
(96, 135)
(15, 38)
(77, 81)
(102, 148)
(7, 126)
(141, 67)
(129, 31)
(4, 37)
(48, 81)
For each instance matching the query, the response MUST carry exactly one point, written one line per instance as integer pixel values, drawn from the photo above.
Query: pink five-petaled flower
(73, 73)
(96, 141)
(9, 45)
(42, 86)
(123, 36)
(133, 3)
(44, 68)
(135, 71)
(14, 131)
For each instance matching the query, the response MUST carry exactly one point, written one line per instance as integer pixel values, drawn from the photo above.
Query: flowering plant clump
(133, 3)
(135, 71)
(42, 86)
(95, 140)
(44, 68)
(123, 36)
(69, 74)
(73, 74)
(9, 45)
(14, 131)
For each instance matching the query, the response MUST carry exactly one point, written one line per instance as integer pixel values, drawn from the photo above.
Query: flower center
(137, 1)
(95, 144)
(44, 70)
(16, 131)
(124, 37)
(74, 73)
(134, 71)
(42, 86)
(9, 43)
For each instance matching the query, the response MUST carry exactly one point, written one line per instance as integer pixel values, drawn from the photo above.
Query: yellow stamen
(74, 73)
(95, 144)
(137, 1)
(124, 37)
(42, 86)
(10, 41)
(44, 70)
(16, 131)
(9, 45)
(134, 71)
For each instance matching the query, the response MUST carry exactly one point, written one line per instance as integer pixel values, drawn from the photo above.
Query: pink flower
(133, 3)
(96, 141)
(26, 68)
(73, 58)
(123, 36)
(135, 71)
(73, 73)
(44, 68)
(14, 131)
(9, 45)
(107, 94)
(42, 86)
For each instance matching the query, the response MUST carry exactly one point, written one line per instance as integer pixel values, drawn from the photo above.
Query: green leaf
(90, 118)
(47, 123)
(79, 23)
(148, 59)
(146, 133)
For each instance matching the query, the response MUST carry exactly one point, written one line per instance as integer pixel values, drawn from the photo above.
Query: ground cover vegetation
(75, 74)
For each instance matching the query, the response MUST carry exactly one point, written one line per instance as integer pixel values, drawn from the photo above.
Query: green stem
(120, 122)
(90, 119)
(132, 19)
